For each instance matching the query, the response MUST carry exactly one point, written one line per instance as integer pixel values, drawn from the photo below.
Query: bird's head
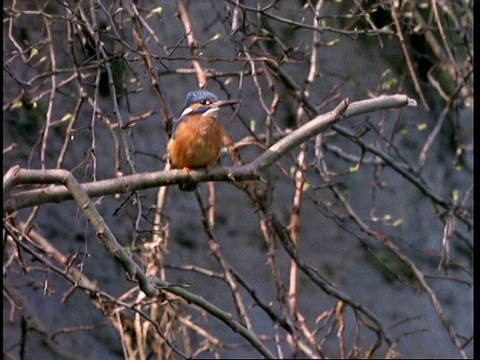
(201, 102)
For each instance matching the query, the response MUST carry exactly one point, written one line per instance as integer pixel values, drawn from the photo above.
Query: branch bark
(56, 194)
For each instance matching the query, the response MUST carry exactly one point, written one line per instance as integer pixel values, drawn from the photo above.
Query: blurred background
(379, 207)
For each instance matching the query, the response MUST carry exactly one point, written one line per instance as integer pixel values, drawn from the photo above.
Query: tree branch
(150, 286)
(128, 183)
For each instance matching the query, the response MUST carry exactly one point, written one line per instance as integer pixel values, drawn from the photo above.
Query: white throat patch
(210, 112)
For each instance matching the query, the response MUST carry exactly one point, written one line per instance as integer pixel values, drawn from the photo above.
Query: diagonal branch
(324, 284)
(142, 181)
(150, 286)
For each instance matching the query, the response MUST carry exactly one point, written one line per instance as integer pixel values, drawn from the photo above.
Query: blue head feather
(192, 98)
(198, 96)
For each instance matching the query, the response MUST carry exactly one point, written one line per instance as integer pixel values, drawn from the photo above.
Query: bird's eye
(205, 102)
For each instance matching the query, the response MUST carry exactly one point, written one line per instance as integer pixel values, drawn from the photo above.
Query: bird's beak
(222, 103)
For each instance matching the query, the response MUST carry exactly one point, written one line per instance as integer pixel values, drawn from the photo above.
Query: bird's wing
(176, 123)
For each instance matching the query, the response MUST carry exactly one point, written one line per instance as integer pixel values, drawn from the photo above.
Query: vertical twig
(230, 279)
(410, 66)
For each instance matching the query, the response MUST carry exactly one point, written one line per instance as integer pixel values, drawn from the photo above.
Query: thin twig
(250, 171)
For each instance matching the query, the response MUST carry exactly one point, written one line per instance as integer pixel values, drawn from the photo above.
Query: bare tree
(337, 224)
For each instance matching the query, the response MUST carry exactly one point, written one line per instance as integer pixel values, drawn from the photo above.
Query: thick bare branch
(250, 171)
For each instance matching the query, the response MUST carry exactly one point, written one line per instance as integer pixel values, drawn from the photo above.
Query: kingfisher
(197, 134)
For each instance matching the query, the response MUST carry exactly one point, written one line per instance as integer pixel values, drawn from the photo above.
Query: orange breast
(196, 143)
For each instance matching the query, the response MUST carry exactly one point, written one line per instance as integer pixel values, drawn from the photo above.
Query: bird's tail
(188, 186)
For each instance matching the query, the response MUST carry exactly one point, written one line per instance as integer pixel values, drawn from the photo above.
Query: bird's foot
(188, 185)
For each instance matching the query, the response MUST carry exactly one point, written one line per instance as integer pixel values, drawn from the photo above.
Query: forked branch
(128, 183)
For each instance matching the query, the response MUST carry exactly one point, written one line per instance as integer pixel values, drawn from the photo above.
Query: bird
(197, 134)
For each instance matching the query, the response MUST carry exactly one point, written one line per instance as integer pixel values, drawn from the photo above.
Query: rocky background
(379, 206)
